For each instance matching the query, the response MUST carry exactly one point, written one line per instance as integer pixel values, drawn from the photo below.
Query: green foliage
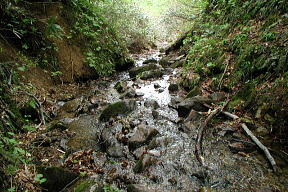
(102, 43)
(53, 29)
(111, 188)
(39, 178)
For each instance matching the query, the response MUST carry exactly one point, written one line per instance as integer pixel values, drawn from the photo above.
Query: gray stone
(138, 70)
(195, 103)
(145, 161)
(151, 74)
(118, 108)
(141, 135)
(152, 60)
(151, 103)
(217, 97)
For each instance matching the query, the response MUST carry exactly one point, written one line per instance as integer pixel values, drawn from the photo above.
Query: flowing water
(166, 161)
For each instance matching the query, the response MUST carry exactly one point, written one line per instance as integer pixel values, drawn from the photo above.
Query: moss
(195, 91)
(120, 107)
(245, 97)
(83, 186)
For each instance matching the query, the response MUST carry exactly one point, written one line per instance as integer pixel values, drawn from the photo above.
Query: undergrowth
(252, 44)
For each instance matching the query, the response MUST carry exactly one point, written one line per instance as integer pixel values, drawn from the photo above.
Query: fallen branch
(255, 139)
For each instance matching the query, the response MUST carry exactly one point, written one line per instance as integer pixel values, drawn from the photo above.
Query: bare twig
(41, 110)
(255, 140)
(221, 80)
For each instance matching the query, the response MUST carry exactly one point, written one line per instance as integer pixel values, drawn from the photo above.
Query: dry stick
(43, 122)
(256, 141)
(221, 80)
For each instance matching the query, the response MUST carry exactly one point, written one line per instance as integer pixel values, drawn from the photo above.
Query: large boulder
(138, 70)
(118, 108)
(195, 103)
(86, 129)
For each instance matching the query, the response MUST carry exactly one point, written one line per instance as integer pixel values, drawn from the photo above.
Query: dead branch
(41, 110)
(255, 140)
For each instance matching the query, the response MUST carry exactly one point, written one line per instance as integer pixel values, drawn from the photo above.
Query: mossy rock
(57, 178)
(151, 74)
(83, 186)
(138, 70)
(194, 92)
(124, 64)
(57, 124)
(190, 81)
(121, 86)
(119, 108)
(245, 97)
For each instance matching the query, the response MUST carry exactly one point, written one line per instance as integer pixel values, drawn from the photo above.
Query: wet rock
(138, 153)
(138, 70)
(241, 147)
(156, 85)
(142, 135)
(151, 74)
(173, 87)
(194, 92)
(165, 62)
(195, 103)
(161, 90)
(130, 93)
(121, 86)
(137, 188)
(86, 130)
(190, 80)
(145, 161)
(139, 94)
(217, 97)
(118, 108)
(193, 116)
(151, 103)
(155, 114)
(155, 153)
(150, 61)
(109, 138)
(57, 124)
(69, 110)
(160, 142)
(57, 178)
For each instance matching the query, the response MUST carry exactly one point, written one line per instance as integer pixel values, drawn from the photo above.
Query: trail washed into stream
(141, 144)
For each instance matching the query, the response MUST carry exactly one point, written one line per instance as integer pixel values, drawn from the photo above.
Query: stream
(149, 147)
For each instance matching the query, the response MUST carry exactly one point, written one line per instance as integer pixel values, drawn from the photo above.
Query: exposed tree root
(198, 145)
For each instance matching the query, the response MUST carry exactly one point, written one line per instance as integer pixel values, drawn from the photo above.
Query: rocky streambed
(137, 132)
